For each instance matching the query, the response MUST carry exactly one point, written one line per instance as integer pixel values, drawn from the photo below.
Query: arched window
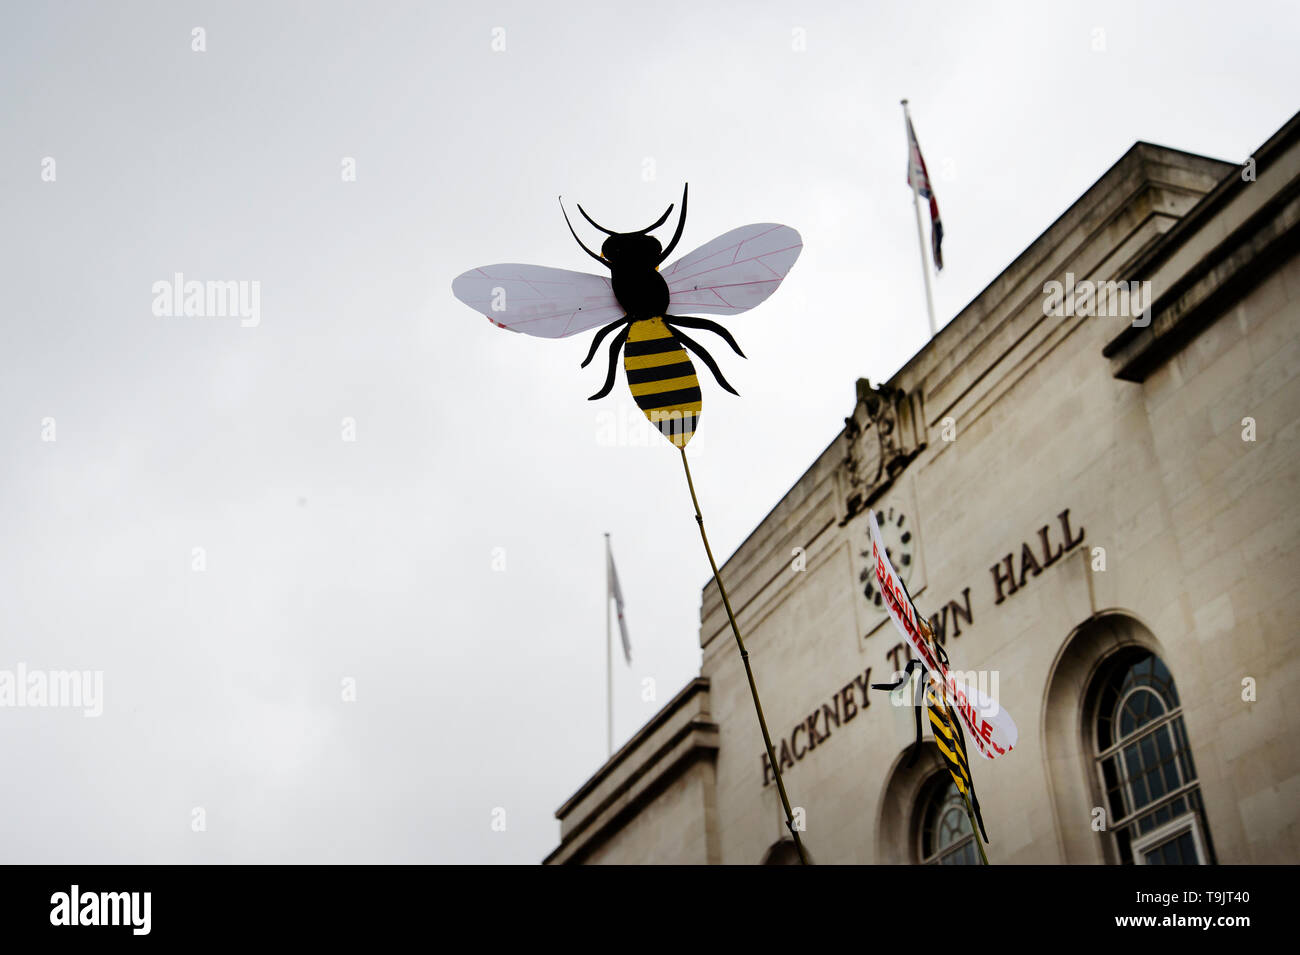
(945, 837)
(1144, 764)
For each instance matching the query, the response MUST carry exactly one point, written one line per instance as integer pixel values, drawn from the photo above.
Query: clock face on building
(900, 546)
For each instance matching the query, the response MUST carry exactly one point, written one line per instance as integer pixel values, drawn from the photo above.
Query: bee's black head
(634, 249)
(631, 248)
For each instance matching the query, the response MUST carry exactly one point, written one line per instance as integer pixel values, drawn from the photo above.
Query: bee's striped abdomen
(662, 379)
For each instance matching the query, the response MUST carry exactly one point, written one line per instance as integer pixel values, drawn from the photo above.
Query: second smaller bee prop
(992, 729)
(948, 702)
(643, 306)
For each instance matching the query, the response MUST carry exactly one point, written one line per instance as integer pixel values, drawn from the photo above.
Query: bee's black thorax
(640, 290)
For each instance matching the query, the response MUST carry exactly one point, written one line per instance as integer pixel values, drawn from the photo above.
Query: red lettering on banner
(904, 614)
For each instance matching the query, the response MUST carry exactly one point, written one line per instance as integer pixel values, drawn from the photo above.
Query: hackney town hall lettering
(1009, 575)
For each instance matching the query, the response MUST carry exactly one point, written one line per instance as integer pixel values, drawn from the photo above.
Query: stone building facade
(1088, 481)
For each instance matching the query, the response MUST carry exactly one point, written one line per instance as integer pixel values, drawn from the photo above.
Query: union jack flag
(919, 179)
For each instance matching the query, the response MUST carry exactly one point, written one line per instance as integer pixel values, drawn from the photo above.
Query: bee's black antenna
(593, 221)
(662, 219)
(681, 224)
(575, 234)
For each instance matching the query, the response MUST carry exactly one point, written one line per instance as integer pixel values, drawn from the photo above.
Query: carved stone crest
(883, 434)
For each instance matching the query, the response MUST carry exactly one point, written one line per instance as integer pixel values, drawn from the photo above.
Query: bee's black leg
(600, 337)
(614, 348)
(916, 747)
(704, 356)
(707, 325)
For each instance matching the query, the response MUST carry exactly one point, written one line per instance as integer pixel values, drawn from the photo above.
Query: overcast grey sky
(372, 560)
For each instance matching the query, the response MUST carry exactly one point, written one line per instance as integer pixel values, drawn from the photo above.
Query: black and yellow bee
(729, 275)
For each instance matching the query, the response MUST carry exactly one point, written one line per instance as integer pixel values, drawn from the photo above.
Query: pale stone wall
(671, 829)
(654, 799)
(1225, 597)
(1156, 473)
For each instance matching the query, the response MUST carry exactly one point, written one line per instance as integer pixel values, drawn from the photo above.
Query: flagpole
(916, 207)
(609, 662)
(744, 656)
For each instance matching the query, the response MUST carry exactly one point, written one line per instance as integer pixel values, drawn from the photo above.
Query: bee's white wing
(734, 272)
(535, 300)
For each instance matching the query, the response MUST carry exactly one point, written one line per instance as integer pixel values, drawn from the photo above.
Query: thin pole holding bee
(744, 656)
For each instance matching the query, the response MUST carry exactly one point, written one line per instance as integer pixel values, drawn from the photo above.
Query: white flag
(614, 591)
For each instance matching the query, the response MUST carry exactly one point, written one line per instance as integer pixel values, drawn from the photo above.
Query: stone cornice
(1219, 278)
